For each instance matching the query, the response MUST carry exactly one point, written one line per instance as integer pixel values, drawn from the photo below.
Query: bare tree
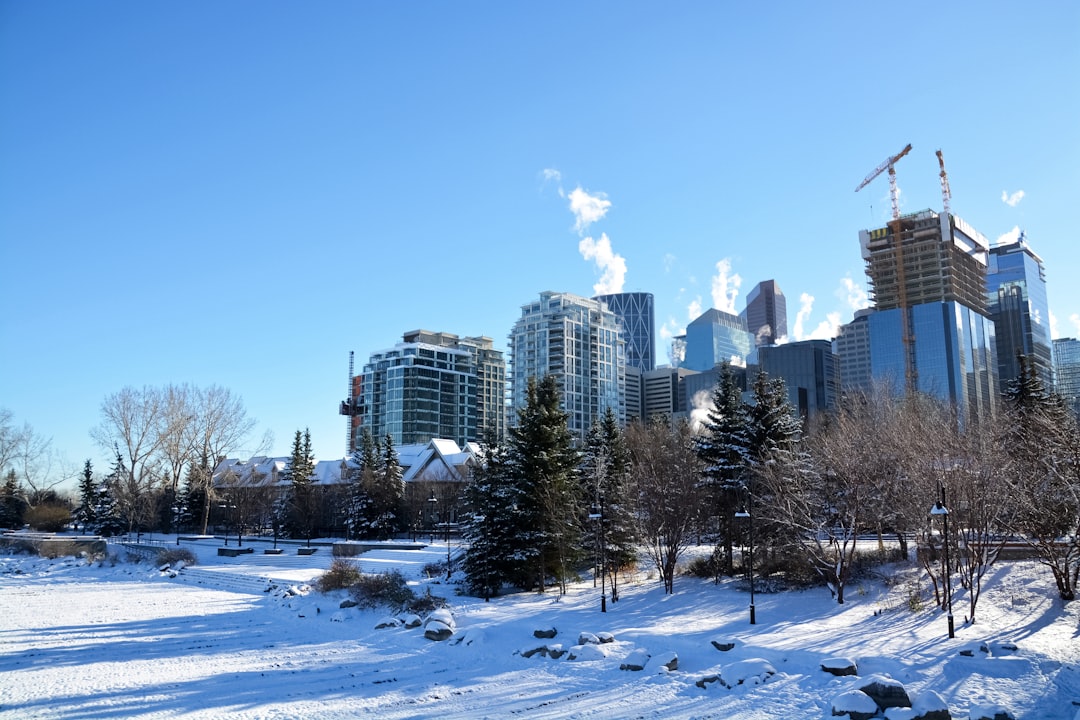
(130, 426)
(664, 476)
(30, 456)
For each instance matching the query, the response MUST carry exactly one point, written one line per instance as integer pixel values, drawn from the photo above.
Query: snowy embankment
(128, 641)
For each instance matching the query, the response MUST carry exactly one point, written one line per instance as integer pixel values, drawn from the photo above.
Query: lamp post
(596, 514)
(940, 509)
(748, 513)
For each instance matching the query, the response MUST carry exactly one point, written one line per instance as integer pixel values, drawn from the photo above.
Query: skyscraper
(1016, 290)
(714, 337)
(635, 313)
(852, 348)
(579, 342)
(1067, 371)
(931, 331)
(766, 313)
(810, 370)
(431, 386)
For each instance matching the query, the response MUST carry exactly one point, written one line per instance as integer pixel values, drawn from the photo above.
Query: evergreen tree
(387, 493)
(194, 503)
(299, 506)
(543, 456)
(493, 527)
(12, 505)
(774, 433)
(88, 492)
(107, 514)
(604, 473)
(723, 445)
(358, 508)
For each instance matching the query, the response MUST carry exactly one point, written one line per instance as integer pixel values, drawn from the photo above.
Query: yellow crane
(910, 374)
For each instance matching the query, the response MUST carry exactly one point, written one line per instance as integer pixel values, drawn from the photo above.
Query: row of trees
(875, 465)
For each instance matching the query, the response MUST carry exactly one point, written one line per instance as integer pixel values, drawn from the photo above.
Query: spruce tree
(604, 473)
(387, 493)
(723, 445)
(542, 452)
(85, 514)
(12, 505)
(493, 527)
(107, 515)
(299, 506)
(358, 509)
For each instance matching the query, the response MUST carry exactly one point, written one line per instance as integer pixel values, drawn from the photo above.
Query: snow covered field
(127, 641)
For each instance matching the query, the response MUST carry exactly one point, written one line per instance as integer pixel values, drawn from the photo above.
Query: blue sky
(241, 193)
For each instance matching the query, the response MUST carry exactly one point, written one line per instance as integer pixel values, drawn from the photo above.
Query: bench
(273, 551)
(234, 551)
(306, 551)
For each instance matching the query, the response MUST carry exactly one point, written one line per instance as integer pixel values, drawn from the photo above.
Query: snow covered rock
(587, 638)
(545, 633)
(339, 617)
(856, 704)
(989, 712)
(605, 637)
(556, 651)
(885, 691)
(970, 650)
(926, 705)
(387, 622)
(348, 603)
(442, 615)
(437, 630)
(586, 652)
(636, 660)
(723, 644)
(708, 680)
(472, 637)
(753, 671)
(529, 651)
(840, 666)
(664, 662)
(411, 621)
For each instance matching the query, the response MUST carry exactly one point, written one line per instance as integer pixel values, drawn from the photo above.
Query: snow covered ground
(127, 641)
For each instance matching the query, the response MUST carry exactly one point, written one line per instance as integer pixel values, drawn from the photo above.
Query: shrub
(703, 566)
(382, 589)
(47, 517)
(435, 569)
(343, 573)
(174, 556)
(426, 603)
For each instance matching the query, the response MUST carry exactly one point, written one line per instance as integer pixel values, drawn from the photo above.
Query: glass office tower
(715, 337)
(1016, 291)
(635, 313)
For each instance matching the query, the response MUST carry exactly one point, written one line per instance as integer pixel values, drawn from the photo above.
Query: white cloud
(611, 265)
(693, 310)
(1075, 320)
(853, 294)
(725, 287)
(701, 405)
(806, 306)
(1012, 200)
(551, 175)
(1009, 237)
(671, 328)
(587, 208)
(1053, 325)
(669, 262)
(825, 330)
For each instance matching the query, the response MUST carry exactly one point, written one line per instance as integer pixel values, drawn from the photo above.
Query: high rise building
(715, 337)
(579, 342)
(810, 371)
(1067, 372)
(430, 386)
(932, 331)
(635, 313)
(766, 313)
(1016, 290)
(852, 348)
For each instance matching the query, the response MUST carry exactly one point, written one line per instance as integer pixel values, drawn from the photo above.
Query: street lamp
(940, 509)
(596, 514)
(749, 515)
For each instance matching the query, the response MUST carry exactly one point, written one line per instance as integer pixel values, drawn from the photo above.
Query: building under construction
(931, 329)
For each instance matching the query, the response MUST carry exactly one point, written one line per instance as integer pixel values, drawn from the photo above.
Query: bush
(175, 556)
(426, 604)
(343, 574)
(703, 566)
(383, 589)
(47, 517)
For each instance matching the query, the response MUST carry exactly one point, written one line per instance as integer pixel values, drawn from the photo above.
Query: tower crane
(910, 373)
(946, 194)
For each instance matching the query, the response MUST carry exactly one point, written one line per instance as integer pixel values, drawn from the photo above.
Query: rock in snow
(856, 704)
(840, 666)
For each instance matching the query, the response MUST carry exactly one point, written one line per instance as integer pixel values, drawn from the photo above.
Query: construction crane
(898, 254)
(946, 194)
(350, 408)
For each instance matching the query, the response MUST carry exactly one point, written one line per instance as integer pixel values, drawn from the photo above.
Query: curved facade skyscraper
(635, 313)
